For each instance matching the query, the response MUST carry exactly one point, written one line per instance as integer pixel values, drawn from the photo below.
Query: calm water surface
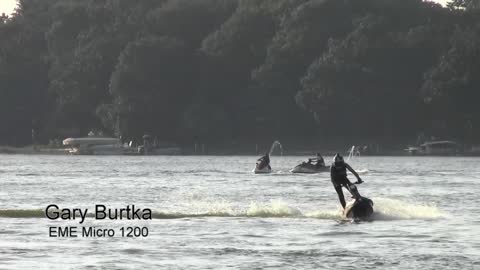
(213, 213)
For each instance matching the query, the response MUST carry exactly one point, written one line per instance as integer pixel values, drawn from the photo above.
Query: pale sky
(7, 6)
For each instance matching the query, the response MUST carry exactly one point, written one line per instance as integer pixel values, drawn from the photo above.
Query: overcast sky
(7, 6)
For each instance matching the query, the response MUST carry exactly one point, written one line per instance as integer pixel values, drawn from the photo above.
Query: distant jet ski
(306, 167)
(360, 208)
(263, 165)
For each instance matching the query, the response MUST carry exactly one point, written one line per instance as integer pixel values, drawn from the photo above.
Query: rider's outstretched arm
(354, 173)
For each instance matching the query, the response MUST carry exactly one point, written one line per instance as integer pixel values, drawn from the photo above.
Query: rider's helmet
(338, 159)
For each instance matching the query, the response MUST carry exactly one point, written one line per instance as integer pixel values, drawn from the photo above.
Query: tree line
(217, 70)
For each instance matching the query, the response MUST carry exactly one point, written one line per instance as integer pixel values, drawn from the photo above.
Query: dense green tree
(464, 4)
(24, 101)
(452, 87)
(363, 83)
(233, 51)
(150, 86)
(188, 20)
(302, 36)
(215, 70)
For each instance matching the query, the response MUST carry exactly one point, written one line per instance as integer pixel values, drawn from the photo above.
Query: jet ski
(305, 167)
(361, 208)
(262, 166)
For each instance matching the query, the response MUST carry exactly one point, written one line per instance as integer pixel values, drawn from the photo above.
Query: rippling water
(213, 213)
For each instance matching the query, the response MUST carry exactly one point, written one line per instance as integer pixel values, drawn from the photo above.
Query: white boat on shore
(440, 148)
(94, 146)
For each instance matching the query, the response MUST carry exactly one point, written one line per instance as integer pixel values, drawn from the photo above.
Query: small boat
(94, 146)
(305, 167)
(439, 148)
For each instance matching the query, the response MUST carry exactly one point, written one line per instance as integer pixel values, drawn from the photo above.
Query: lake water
(214, 213)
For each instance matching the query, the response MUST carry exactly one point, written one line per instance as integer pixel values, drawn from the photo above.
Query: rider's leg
(338, 189)
(354, 191)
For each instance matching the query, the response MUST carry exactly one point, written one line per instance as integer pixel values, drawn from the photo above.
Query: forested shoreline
(219, 70)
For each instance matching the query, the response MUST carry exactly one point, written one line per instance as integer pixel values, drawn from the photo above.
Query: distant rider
(265, 160)
(338, 176)
(320, 162)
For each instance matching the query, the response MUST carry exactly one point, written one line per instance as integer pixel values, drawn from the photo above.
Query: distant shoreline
(31, 150)
(45, 150)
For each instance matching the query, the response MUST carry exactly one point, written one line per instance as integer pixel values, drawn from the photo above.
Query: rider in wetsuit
(266, 160)
(318, 159)
(338, 175)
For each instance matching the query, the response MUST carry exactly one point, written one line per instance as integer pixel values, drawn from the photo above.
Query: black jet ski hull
(359, 209)
(260, 171)
(309, 168)
(261, 167)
